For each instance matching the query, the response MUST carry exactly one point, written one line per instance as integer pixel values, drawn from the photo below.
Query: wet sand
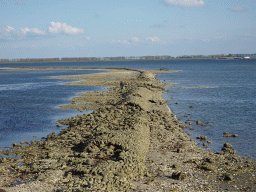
(131, 142)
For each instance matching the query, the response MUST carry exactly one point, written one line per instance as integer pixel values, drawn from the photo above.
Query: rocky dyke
(130, 142)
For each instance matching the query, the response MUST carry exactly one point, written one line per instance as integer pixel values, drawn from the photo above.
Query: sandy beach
(131, 142)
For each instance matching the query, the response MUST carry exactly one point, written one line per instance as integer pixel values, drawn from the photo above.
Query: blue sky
(83, 28)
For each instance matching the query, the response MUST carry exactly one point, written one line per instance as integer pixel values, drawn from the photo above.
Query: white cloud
(186, 3)
(135, 39)
(153, 39)
(119, 41)
(57, 27)
(10, 33)
(125, 41)
(237, 9)
(32, 30)
(88, 38)
(9, 28)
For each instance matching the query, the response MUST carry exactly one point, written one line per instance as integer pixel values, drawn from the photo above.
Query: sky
(100, 28)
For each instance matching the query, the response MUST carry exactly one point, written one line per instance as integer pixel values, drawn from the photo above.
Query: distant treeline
(118, 58)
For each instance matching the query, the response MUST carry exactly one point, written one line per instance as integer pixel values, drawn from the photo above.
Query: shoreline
(130, 142)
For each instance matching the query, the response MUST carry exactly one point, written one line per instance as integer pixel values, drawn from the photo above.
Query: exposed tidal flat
(130, 142)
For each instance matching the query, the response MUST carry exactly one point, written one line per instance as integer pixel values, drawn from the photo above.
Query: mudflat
(131, 142)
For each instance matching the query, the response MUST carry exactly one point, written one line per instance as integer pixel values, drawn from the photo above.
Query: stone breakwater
(131, 142)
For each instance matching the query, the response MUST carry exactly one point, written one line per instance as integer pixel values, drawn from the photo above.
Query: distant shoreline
(205, 58)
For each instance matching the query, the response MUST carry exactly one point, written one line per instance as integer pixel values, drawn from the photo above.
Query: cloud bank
(185, 3)
(57, 27)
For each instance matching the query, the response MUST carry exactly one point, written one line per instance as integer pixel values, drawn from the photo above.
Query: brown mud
(131, 142)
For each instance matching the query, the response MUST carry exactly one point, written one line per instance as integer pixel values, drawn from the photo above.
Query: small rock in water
(235, 135)
(225, 134)
(198, 122)
(59, 125)
(34, 136)
(202, 137)
(209, 142)
(191, 106)
(228, 145)
(205, 144)
(15, 144)
(176, 103)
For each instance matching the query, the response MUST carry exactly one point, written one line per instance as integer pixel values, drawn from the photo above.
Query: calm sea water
(29, 101)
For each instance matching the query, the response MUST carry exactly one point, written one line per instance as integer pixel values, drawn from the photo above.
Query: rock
(205, 144)
(34, 136)
(151, 181)
(227, 177)
(209, 160)
(209, 142)
(89, 162)
(225, 134)
(179, 176)
(180, 150)
(191, 106)
(3, 160)
(176, 103)
(83, 155)
(235, 135)
(203, 125)
(59, 125)
(228, 145)
(208, 167)
(187, 121)
(175, 166)
(202, 137)
(198, 122)
(15, 145)
(22, 142)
